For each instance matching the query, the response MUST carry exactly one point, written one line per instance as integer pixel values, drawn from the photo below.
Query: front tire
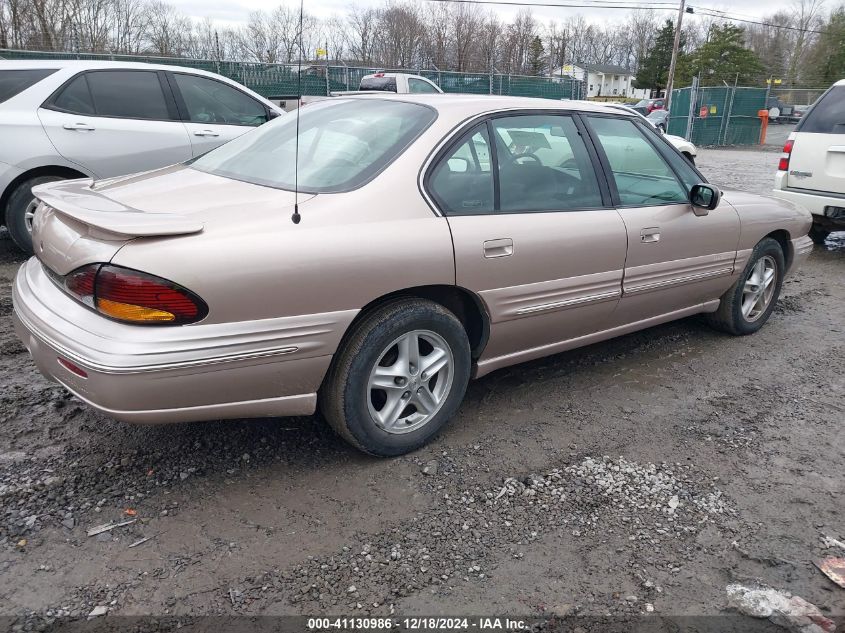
(20, 211)
(818, 234)
(747, 305)
(399, 377)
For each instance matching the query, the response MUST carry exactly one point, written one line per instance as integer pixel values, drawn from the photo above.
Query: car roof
(84, 64)
(469, 104)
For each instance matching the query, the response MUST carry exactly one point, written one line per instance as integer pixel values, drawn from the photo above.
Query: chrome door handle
(206, 133)
(649, 236)
(79, 126)
(498, 248)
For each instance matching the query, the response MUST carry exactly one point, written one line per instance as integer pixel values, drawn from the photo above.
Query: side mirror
(704, 198)
(273, 114)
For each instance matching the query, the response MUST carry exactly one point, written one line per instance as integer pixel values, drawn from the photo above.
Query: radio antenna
(295, 218)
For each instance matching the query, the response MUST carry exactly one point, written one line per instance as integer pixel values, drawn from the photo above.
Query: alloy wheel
(410, 381)
(29, 215)
(759, 288)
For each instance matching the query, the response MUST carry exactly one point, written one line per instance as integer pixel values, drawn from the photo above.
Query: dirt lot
(644, 473)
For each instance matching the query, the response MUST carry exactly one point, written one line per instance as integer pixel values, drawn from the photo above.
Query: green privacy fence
(724, 115)
(277, 80)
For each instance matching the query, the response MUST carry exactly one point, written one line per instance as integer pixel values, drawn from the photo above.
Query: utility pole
(670, 80)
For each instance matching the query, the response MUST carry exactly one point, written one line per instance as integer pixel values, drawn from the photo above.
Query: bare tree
(806, 16)
(129, 25)
(167, 29)
(363, 24)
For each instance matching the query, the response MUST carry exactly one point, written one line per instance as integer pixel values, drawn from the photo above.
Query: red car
(647, 106)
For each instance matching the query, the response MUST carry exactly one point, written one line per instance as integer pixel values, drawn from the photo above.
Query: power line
(649, 5)
(715, 13)
(594, 4)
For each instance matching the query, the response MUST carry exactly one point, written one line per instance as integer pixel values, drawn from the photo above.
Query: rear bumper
(271, 367)
(818, 203)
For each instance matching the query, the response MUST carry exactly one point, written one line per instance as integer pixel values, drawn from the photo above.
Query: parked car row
(437, 238)
(76, 119)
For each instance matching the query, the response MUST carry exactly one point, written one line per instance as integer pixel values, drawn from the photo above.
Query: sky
(236, 11)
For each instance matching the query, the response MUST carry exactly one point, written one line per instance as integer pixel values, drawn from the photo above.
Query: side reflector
(72, 368)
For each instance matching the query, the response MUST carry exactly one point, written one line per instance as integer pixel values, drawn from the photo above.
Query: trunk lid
(84, 222)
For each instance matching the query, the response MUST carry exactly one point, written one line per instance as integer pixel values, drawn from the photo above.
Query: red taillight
(134, 297)
(783, 163)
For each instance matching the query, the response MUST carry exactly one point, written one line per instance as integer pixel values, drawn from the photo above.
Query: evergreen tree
(654, 69)
(722, 58)
(536, 63)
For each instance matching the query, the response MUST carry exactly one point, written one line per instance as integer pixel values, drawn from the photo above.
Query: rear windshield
(827, 116)
(383, 84)
(343, 143)
(13, 82)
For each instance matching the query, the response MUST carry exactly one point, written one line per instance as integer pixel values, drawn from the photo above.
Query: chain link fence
(726, 115)
(283, 80)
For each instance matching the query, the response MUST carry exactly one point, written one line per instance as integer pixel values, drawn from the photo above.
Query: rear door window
(543, 165)
(128, 94)
(827, 116)
(14, 82)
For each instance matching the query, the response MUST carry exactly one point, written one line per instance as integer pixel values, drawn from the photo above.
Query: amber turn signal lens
(129, 312)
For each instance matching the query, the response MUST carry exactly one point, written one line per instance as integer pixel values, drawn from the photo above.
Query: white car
(75, 119)
(811, 171)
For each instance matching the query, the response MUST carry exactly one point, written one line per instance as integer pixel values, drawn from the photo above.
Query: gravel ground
(640, 475)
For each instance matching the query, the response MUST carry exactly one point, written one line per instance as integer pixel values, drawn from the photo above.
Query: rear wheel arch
(464, 304)
(35, 172)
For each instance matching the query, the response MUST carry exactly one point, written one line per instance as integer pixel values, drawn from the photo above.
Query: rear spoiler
(76, 200)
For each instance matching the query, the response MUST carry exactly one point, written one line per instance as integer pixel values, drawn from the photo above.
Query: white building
(605, 80)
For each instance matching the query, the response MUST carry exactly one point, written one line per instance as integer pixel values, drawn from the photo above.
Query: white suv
(811, 171)
(76, 119)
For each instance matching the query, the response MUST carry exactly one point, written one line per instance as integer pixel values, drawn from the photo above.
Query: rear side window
(827, 116)
(462, 183)
(383, 84)
(75, 97)
(13, 82)
(210, 101)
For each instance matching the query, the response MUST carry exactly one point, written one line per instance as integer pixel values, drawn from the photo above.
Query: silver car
(424, 240)
(76, 119)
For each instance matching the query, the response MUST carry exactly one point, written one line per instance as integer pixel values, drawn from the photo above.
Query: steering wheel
(531, 155)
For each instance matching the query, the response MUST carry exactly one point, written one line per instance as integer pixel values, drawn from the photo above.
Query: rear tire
(378, 395)
(747, 305)
(818, 234)
(19, 211)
